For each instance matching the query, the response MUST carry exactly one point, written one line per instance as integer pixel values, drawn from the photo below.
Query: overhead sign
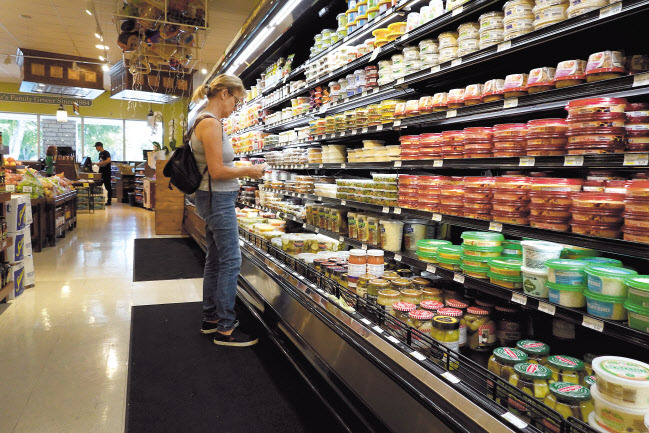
(43, 99)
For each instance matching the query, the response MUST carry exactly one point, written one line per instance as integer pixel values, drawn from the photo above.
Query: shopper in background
(105, 170)
(212, 148)
(50, 155)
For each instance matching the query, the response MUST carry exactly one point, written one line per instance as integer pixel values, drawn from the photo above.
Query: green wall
(104, 106)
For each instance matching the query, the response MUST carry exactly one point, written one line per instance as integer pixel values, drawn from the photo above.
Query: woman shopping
(212, 148)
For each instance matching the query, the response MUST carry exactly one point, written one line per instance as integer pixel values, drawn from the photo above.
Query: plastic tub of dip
(536, 253)
(509, 267)
(453, 265)
(616, 418)
(391, 235)
(622, 381)
(606, 307)
(482, 239)
(638, 316)
(565, 271)
(566, 296)
(449, 252)
(478, 251)
(608, 280)
(514, 283)
(596, 105)
(534, 282)
(475, 271)
(638, 290)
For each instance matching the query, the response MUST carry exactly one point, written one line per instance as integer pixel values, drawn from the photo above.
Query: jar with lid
(536, 351)
(402, 310)
(567, 369)
(501, 363)
(362, 283)
(422, 321)
(411, 295)
(431, 293)
(454, 312)
(401, 284)
(480, 329)
(357, 262)
(569, 400)
(432, 306)
(532, 379)
(386, 299)
(419, 283)
(375, 263)
(374, 286)
(508, 325)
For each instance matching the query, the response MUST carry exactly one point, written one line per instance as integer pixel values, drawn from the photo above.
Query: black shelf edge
(293, 122)
(279, 214)
(294, 73)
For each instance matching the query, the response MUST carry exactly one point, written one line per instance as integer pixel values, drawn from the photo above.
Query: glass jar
(446, 331)
(400, 284)
(386, 299)
(502, 361)
(402, 310)
(567, 369)
(411, 295)
(432, 306)
(431, 294)
(454, 312)
(569, 400)
(362, 284)
(536, 351)
(357, 262)
(480, 329)
(375, 263)
(421, 320)
(532, 379)
(508, 325)
(405, 273)
(374, 286)
(419, 283)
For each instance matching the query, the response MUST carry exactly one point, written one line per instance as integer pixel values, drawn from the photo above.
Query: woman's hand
(256, 171)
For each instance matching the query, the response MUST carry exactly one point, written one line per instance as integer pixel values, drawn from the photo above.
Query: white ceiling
(63, 26)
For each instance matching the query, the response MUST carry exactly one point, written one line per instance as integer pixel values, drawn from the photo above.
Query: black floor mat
(179, 381)
(167, 259)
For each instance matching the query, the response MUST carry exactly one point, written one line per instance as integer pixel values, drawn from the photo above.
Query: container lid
(566, 264)
(427, 255)
(604, 298)
(596, 101)
(511, 264)
(510, 355)
(623, 369)
(375, 253)
(555, 181)
(454, 303)
(421, 314)
(450, 312)
(404, 306)
(533, 347)
(508, 278)
(432, 243)
(479, 248)
(477, 311)
(602, 261)
(450, 249)
(466, 258)
(429, 304)
(565, 362)
(469, 268)
(569, 392)
(533, 371)
(609, 271)
(483, 236)
(445, 322)
(565, 287)
(448, 261)
(589, 381)
(357, 252)
(380, 282)
(640, 282)
(636, 308)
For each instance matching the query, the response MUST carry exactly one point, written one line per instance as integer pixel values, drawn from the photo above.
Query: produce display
(29, 181)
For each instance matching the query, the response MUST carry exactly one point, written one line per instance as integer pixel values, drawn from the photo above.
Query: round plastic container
(534, 282)
(622, 381)
(596, 105)
(638, 290)
(449, 252)
(509, 282)
(616, 418)
(565, 271)
(597, 217)
(475, 271)
(608, 280)
(510, 267)
(536, 253)
(638, 316)
(483, 239)
(478, 251)
(606, 307)
(570, 73)
(566, 295)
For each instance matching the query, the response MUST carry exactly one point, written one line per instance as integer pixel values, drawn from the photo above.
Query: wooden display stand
(169, 205)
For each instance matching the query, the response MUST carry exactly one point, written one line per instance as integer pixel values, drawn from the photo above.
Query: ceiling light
(90, 7)
(102, 58)
(204, 71)
(105, 67)
(255, 44)
(283, 13)
(98, 36)
(88, 12)
(101, 47)
(61, 114)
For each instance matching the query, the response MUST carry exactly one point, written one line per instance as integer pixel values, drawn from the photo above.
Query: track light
(101, 47)
(204, 71)
(90, 7)
(102, 58)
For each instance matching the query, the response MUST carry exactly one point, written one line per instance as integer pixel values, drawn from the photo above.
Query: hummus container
(482, 239)
(638, 290)
(518, 7)
(514, 283)
(478, 251)
(536, 253)
(596, 105)
(491, 20)
(534, 282)
(600, 231)
(493, 90)
(468, 31)
(476, 261)
(476, 271)
(453, 265)
(565, 271)
(606, 307)
(427, 257)
(449, 252)
(638, 316)
(566, 295)
(447, 39)
(608, 280)
(597, 217)
(512, 248)
(570, 73)
(622, 381)
(515, 85)
(558, 224)
(605, 65)
(510, 267)
(616, 418)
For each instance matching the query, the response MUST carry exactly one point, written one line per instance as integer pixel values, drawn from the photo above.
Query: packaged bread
(515, 85)
(540, 79)
(570, 73)
(605, 65)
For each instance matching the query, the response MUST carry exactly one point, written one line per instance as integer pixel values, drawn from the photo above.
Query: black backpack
(181, 169)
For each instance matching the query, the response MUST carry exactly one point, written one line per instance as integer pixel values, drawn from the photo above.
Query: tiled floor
(64, 343)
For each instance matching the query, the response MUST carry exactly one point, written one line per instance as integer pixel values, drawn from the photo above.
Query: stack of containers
(430, 145)
(548, 12)
(447, 46)
(506, 271)
(18, 216)
(637, 127)
(636, 215)
(452, 196)
(409, 147)
(478, 194)
(580, 7)
(519, 18)
(567, 275)
(607, 290)
(386, 75)
(398, 66)
(371, 77)
(596, 125)
(408, 191)
(546, 137)
(511, 199)
(452, 144)
(478, 248)
(637, 303)
(597, 214)
(551, 201)
(428, 53)
(478, 142)
(468, 37)
(491, 29)
(427, 249)
(449, 257)
(510, 139)
(429, 192)
(411, 63)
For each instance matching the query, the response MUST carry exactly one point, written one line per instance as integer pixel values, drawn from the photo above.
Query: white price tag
(641, 79)
(379, 128)
(397, 164)
(317, 230)
(364, 246)
(451, 377)
(591, 323)
(457, 11)
(613, 9)
(435, 69)
(392, 339)
(319, 198)
(451, 113)
(341, 238)
(438, 163)
(510, 103)
(364, 129)
(514, 420)
(418, 356)
(404, 37)
(375, 54)
(456, 62)
(324, 108)
(437, 217)
(573, 161)
(343, 165)
(343, 202)
(342, 133)
(320, 165)
(367, 322)
(378, 329)
(431, 268)
(546, 308)
(504, 46)
(397, 211)
(364, 92)
(396, 123)
(400, 80)
(386, 209)
(27, 189)
(636, 158)
(526, 161)
(458, 278)
(497, 227)
(10, 188)
(519, 299)
(397, 257)
(346, 99)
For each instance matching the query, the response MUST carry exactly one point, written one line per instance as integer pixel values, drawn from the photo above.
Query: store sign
(43, 99)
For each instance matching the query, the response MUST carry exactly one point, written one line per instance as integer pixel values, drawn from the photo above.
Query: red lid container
(550, 224)
(451, 312)
(544, 126)
(478, 133)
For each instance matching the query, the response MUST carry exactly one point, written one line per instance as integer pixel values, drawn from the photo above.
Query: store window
(57, 134)
(109, 131)
(20, 133)
(139, 137)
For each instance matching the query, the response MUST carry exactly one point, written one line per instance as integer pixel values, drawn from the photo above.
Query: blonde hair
(228, 82)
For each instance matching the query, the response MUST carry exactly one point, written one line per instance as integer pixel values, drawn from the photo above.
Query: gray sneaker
(238, 338)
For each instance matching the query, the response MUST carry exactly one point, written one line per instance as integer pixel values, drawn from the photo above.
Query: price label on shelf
(573, 161)
(641, 79)
(510, 103)
(341, 238)
(636, 158)
(610, 10)
(354, 131)
(451, 113)
(418, 356)
(364, 93)
(379, 128)
(365, 321)
(546, 308)
(342, 133)
(378, 330)
(345, 99)
(397, 164)
(364, 246)
(458, 278)
(438, 163)
(435, 69)
(364, 130)
(397, 257)
(343, 165)
(343, 202)
(317, 230)
(514, 420)
(431, 268)
(437, 217)
(386, 209)
(324, 108)
(397, 211)
(375, 54)
(526, 161)
(496, 227)
(594, 324)
(457, 11)
(27, 189)
(396, 123)
(319, 198)
(86, 185)
(392, 339)
(456, 62)
(519, 299)
(400, 81)
(404, 37)
(504, 46)
(451, 377)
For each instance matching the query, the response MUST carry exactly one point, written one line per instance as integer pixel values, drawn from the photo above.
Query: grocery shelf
(366, 97)
(4, 291)
(279, 214)
(294, 73)
(613, 246)
(293, 122)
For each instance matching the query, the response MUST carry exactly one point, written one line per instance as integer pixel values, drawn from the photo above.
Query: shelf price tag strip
(514, 420)
(636, 159)
(547, 308)
(594, 324)
(451, 377)
(573, 161)
(418, 356)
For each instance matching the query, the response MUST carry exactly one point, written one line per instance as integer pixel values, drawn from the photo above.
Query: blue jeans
(223, 261)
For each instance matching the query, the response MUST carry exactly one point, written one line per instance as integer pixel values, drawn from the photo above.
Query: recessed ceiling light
(105, 68)
(102, 47)
(88, 12)
(102, 58)
(25, 17)
(204, 71)
(98, 36)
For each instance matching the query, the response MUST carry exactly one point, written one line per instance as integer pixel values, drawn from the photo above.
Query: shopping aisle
(64, 343)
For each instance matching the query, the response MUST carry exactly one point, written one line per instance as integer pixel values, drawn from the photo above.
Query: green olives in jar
(480, 329)
(567, 369)
(532, 379)
(569, 400)
(537, 351)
